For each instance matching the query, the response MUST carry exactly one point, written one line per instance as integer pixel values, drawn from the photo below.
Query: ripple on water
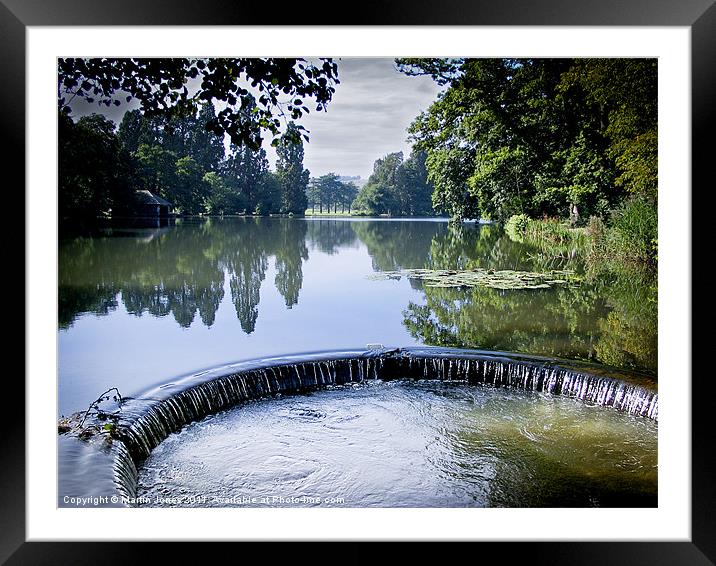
(408, 444)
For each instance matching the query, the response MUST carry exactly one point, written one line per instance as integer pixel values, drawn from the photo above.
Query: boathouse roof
(147, 197)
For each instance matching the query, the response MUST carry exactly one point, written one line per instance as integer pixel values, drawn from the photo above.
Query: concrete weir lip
(141, 423)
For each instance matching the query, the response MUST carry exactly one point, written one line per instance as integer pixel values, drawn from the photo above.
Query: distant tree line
(397, 187)
(328, 194)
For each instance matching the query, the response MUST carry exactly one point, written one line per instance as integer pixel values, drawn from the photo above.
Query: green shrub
(516, 226)
(552, 238)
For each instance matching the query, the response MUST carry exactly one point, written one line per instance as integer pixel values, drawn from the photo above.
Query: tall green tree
(157, 169)
(95, 173)
(292, 176)
(624, 92)
(413, 191)
(220, 198)
(269, 200)
(135, 130)
(313, 195)
(326, 192)
(189, 190)
(397, 187)
(206, 148)
(245, 171)
(349, 192)
(537, 136)
(379, 195)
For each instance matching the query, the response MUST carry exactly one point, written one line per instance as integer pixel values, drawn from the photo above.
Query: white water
(407, 444)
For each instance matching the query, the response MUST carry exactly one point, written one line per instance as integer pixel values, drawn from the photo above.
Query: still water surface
(407, 444)
(139, 306)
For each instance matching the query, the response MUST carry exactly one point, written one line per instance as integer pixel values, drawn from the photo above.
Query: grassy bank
(627, 239)
(555, 244)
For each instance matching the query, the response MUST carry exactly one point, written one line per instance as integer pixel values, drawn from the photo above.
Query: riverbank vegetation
(102, 167)
(567, 140)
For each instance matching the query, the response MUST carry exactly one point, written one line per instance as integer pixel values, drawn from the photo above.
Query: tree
(291, 174)
(157, 169)
(245, 171)
(313, 195)
(95, 173)
(396, 187)
(375, 199)
(161, 86)
(326, 192)
(413, 191)
(135, 130)
(206, 148)
(220, 199)
(348, 194)
(269, 200)
(537, 136)
(189, 191)
(378, 195)
(624, 92)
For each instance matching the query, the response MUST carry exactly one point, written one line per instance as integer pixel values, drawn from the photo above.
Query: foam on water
(407, 444)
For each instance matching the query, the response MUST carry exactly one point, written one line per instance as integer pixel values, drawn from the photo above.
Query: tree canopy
(538, 136)
(293, 178)
(162, 87)
(396, 187)
(328, 191)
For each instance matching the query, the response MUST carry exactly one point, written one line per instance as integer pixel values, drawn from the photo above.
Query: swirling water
(407, 444)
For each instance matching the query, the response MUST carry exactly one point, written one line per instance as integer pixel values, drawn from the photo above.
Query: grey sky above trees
(367, 118)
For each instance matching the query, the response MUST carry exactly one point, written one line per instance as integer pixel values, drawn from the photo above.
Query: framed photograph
(196, 215)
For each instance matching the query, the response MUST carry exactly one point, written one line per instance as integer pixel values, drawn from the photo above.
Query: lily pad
(505, 279)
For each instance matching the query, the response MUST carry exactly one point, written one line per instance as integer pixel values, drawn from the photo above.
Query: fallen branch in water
(95, 405)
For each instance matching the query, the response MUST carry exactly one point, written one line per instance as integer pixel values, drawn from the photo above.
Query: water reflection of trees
(628, 335)
(181, 270)
(556, 322)
(610, 318)
(328, 235)
(290, 255)
(398, 245)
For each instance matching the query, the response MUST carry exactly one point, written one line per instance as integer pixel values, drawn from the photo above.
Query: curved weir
(145, 422)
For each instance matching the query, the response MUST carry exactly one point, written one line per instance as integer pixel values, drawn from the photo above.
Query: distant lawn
(309, 212)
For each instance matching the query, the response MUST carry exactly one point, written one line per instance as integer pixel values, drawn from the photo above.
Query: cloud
(368, 117)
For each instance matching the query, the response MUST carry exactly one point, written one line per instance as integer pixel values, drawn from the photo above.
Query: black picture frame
(698, 15)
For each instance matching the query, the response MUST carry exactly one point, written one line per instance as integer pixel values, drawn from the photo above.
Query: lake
(139, 306)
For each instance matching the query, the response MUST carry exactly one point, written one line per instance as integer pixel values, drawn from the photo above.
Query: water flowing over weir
(148, 420)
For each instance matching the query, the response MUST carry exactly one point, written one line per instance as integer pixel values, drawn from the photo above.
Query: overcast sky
(368, 117)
